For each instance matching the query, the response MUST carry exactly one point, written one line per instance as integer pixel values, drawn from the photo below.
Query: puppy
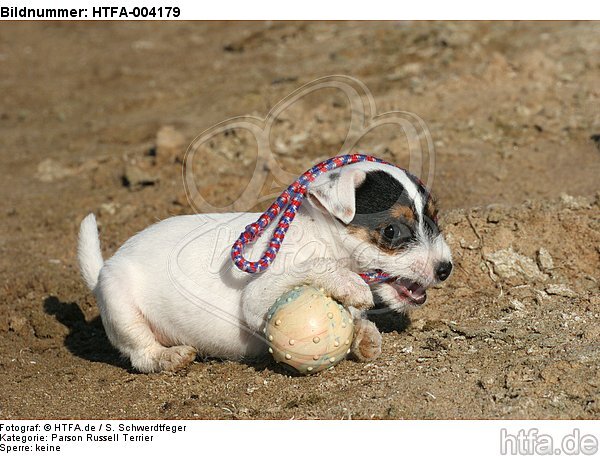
(172, 292)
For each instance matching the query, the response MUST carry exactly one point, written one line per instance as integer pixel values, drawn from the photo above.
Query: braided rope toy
(290, 201)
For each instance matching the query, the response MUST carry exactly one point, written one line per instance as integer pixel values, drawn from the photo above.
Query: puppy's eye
(389, 232)
(396, 233)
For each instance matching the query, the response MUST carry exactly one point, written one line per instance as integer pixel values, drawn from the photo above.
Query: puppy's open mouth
(413, 292)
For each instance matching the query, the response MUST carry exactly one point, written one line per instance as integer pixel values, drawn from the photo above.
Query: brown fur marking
(361, 232)
(371, 236)
(398, 210)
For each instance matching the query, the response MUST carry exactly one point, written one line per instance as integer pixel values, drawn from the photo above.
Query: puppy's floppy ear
(334, 192)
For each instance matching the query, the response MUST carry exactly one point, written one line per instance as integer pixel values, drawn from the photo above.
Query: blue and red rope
(289, 202)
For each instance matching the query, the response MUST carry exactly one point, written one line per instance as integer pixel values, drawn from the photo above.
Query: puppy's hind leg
(130, 332)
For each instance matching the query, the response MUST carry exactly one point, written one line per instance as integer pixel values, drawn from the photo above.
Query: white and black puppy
(172, 291)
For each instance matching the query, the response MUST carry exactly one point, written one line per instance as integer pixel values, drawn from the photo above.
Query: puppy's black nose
(443, 270)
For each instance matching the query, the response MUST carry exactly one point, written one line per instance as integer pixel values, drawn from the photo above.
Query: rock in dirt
(515, 304)
(495, 213)
(407, 70)
(560, 290)
(50, 170)
(17, 323)
(508, 263)
(108, 208)
(170, 145)
(135, 178)
(544, 260)
(574, 202)
(115, 212)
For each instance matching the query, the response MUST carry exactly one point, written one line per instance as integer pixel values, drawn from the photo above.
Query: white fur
(88, 251)
(172, 289)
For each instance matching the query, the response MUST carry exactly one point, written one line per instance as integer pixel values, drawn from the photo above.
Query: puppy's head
(387, 222)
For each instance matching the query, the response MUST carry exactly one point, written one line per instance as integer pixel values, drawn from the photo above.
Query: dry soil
(512, 109)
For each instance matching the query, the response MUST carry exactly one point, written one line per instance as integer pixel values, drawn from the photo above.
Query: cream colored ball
(308, 331)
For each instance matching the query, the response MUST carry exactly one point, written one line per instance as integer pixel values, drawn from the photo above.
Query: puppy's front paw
(366, 345)
(350, 290)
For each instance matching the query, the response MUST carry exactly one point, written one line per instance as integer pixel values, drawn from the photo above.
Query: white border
(335, 438)
(391, 10)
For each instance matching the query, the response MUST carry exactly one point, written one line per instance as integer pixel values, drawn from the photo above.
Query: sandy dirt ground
(513, 112)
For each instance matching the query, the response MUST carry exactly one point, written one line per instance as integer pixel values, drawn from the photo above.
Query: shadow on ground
(387, 320)
(86, 339)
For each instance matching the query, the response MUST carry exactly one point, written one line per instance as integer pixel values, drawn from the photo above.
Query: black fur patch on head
(386, 214)
(383, 202)
(379, 192)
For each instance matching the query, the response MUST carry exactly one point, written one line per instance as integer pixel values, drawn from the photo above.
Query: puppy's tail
(88, 251)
